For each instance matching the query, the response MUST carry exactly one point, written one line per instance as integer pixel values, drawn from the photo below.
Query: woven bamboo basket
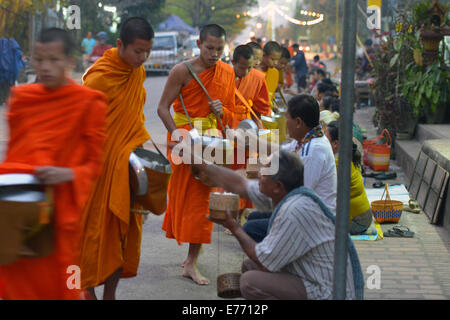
(386, 210)
(228, 285)
(253, 169)
(219, 203)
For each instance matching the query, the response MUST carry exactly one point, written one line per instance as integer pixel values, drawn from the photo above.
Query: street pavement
(410, 268)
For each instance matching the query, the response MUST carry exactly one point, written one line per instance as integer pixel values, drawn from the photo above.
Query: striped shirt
(319, 168)
(301, 242)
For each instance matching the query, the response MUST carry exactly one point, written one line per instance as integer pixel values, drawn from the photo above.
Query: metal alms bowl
(153, 160)
(138, 176)
(141, 159)
(216, 142)
(248, 124)
(21, 188)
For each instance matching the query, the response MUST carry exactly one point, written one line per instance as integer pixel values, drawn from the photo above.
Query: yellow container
(269, 122)
(281, 121)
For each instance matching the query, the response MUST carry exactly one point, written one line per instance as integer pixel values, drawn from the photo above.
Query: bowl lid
(18, 179)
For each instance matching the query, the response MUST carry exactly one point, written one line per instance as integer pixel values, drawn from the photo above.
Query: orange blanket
(254, 87)
(111, 234)
(189, 198)
(64, 127)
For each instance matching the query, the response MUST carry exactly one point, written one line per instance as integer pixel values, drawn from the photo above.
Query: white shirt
(319, 168)
(301, 242)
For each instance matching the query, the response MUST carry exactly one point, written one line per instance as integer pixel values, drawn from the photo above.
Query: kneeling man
(295, 259)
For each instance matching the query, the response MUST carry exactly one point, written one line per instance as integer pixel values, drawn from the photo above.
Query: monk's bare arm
(172, 89)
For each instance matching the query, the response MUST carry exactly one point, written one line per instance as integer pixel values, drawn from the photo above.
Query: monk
(271, 55)
(250, 85)
(188, 204)
(111, 233)
(57, 131)
(284, 69)
(257, 53)
(251, 93)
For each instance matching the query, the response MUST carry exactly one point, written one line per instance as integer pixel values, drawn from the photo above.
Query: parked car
(190, 48)
(165, 52)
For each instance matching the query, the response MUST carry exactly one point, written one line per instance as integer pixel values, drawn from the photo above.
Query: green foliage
(95, 19)
(427, 89)
(15, 18)
(403, 86)
(223, 12)
(148, 9)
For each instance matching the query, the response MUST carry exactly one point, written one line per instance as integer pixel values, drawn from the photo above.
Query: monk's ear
(119, 44)
(198, 43)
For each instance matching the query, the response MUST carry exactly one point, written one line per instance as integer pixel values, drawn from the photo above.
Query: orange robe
(189, 198)
(111, 234)
(253, 87)
(64, 127)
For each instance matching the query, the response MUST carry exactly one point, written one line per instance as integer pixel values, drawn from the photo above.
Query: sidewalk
(411, 268)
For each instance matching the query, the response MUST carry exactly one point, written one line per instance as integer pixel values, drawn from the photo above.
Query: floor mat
(373, 233)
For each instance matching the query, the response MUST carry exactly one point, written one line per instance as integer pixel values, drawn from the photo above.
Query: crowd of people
(93, 49)
(80, 139)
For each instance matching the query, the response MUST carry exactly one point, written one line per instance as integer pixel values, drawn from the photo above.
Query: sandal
(369, 174)
(399, 232)
(386, 176)
(413, 206)
(378, 184)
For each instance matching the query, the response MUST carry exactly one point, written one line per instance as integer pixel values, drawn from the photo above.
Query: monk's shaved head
(58, 35)
(243, 51)
(272, 47)
(254, 45)
(213, 30)
(135, 28)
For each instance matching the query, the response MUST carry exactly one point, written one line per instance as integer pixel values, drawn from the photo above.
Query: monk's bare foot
(189, 258)
(190, 271)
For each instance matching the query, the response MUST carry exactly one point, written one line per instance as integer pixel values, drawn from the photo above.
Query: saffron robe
(254, 88)
(111, 233)
(64, 127)
(188, 204)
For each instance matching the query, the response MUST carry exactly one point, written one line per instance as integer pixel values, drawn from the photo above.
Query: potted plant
(392, 56)
(426, 82)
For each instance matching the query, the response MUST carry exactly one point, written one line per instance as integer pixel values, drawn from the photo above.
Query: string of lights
(283, 12)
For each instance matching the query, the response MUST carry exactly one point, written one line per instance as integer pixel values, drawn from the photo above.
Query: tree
(92, 17)
(201, 12)
(148, 9)
(16, 22)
